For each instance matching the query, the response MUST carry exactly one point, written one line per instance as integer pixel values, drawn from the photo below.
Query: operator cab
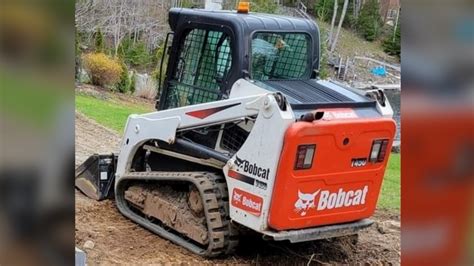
(211, 50)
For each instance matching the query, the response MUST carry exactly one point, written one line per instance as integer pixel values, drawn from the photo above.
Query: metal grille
(280, 56)
(233, 138)
(204, 60)
(181, 95)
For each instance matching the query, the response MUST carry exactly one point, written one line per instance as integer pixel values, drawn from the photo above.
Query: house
(389, 10)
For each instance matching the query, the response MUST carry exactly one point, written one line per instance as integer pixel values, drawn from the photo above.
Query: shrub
(124, 84)
(103, 70)
(263, 6)
(132, 83)
(369, 23)
(135, 53)
(391, 44)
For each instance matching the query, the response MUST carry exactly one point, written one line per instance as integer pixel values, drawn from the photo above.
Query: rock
(393, 224)
(145, 86)
(381, 229)
(88, 244)
(83, 76)
(388, 226)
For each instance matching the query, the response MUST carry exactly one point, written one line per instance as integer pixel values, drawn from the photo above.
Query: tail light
(378, 151)
(304, 156)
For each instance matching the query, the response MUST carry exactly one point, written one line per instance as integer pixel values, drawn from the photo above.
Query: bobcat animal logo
(305, 202)
(238, 161)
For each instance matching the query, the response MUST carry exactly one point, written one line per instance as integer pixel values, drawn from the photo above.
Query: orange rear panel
(339, 187)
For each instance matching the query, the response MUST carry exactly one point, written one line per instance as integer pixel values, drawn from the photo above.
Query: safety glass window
(280, 56)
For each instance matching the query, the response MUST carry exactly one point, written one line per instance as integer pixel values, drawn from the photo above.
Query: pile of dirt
(107, 237)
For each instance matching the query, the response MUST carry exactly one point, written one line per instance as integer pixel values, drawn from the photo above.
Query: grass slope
(109, 113)
(350, 43)
(113, 114)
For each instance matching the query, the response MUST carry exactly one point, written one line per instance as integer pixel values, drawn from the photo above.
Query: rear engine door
(330, 170)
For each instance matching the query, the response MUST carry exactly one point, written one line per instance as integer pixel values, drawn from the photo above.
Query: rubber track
(223, 237)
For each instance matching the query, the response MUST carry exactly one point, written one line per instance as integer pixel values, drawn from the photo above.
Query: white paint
(103, 176)
(329, 200)
(305, 202)
(342, 198)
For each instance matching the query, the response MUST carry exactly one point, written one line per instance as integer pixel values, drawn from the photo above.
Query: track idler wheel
(206, 200)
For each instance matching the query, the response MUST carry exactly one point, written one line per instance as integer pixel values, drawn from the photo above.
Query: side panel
(250, 174)
(342, 185)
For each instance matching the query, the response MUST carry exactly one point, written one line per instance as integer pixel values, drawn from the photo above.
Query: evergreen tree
(391, 44)
(369, 23)
(124, 84)
(263, 6)
(134, 53)
(323, 9)
(323, 62)
(99, 42)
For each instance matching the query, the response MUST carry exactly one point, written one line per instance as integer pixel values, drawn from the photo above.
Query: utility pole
(213, 5)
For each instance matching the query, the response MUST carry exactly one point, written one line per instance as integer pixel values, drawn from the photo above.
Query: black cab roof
(247, 23)
(242, 27)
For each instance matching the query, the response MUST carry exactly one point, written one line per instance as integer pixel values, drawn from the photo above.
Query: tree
(134, 53)
(356, 8)
(343, 15)
(323, 9)
(263, 6)
(391, 45)
(143, 20)
(124, 84)
(369, 22)
(323, 63)
(333, 20)
(99, 41)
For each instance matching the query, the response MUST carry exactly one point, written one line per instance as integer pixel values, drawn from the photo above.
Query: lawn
(109, 113)
(113, 114)
(390, 195)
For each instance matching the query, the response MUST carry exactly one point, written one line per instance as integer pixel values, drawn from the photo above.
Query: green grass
(109, 113)
(351, 44)
(113, 114)
(390, 194)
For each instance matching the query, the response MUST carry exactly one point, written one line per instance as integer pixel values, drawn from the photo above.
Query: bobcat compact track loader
(246, 136)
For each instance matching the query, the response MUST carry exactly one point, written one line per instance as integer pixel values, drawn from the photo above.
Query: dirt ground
(117, 240)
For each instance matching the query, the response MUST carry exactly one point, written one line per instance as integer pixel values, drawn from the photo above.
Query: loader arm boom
(163, 125)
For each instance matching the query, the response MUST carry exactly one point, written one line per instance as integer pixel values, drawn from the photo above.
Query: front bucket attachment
(96, 176)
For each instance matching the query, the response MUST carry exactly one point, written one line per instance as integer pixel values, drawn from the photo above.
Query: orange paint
(339, 187)
(247, 201)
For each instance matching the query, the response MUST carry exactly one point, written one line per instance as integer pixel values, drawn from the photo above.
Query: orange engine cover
(342, 185)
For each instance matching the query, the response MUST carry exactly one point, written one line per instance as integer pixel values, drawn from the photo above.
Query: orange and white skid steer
(247, 136)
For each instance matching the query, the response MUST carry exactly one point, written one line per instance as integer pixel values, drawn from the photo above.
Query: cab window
(205, 59)
(280, 56)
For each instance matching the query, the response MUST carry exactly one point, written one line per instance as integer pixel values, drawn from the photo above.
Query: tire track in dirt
(118, 240)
